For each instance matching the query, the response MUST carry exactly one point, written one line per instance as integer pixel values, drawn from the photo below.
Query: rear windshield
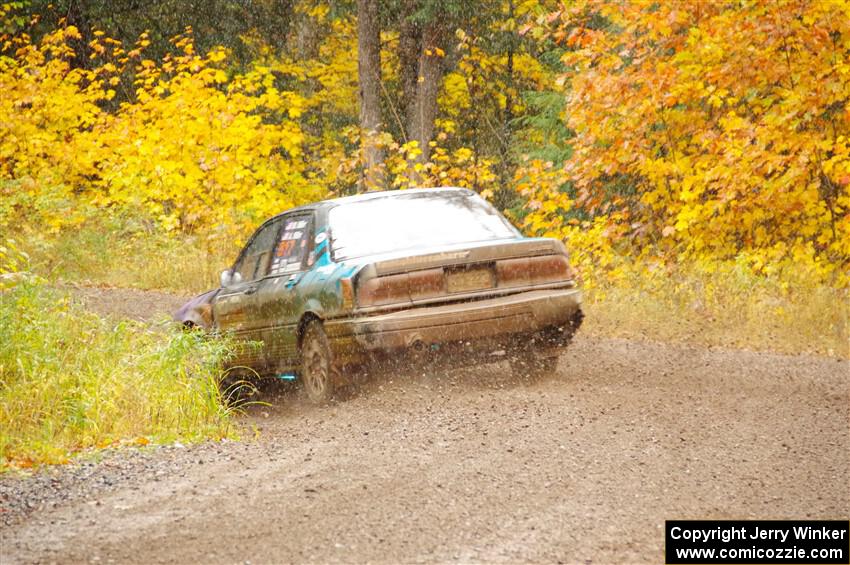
(402, 221)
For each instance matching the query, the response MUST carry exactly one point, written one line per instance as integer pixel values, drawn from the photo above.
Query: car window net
(291, 247)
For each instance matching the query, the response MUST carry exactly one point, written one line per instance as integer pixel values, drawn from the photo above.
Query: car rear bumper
(556, 312)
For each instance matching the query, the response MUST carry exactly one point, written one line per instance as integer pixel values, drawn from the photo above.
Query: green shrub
(71, 380)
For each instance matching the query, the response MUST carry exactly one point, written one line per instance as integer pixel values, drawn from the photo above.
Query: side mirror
(230, 278)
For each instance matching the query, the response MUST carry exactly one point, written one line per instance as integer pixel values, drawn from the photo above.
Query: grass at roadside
(71, 380)
(114, 252)
(727, 306)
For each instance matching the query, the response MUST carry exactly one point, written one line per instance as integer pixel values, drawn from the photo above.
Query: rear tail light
(549, 268)
(399, 289)
(405, 288)
(383, 290)
(430, 283)
(533, 270)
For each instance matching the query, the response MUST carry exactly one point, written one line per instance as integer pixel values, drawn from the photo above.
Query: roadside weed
(120, 252)
(723, 305)
(71, 380)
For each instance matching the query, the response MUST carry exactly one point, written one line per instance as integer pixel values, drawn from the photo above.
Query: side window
(254, 262)
(291, 248)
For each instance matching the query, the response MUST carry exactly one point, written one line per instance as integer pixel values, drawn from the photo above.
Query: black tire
(319, 374)
(534, 365)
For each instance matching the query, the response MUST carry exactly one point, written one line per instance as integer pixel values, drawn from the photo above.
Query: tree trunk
(369, 73)
(504, 195)
(307, 35)
(281, 14)
(77, 16)
(424, 111)
(409, 48)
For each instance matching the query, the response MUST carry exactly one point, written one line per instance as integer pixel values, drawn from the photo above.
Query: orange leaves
(728, 121)
(580, 37)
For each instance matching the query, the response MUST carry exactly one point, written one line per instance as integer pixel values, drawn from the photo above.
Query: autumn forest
(620, 331)
(694, 156)
(673, 131)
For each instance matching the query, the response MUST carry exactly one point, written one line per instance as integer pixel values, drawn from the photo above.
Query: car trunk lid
(463, 273)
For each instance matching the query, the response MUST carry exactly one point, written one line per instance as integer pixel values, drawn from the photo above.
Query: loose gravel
(467, 466)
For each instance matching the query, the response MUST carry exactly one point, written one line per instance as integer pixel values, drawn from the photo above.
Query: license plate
(467, 281)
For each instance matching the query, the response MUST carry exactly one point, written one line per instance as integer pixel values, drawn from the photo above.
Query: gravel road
(468, 466)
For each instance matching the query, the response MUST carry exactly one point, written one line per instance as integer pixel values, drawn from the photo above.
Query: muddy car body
(419, 275)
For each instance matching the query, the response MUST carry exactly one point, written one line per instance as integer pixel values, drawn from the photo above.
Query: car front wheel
(317, 364)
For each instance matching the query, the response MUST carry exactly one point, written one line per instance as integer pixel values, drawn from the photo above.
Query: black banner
(757, 541)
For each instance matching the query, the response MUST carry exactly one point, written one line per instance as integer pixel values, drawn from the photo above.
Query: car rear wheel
(533, 365)
(318, 371)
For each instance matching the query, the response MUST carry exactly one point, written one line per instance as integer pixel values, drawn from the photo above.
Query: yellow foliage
(460, 167)
(196, 149)
(46, 114)
(329, 89)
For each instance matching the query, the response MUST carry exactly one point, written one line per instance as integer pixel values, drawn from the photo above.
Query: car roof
(384, 193)
(333, 202)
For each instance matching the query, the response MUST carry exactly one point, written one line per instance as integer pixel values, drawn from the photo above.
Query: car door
(236, 308)
(280, 302)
